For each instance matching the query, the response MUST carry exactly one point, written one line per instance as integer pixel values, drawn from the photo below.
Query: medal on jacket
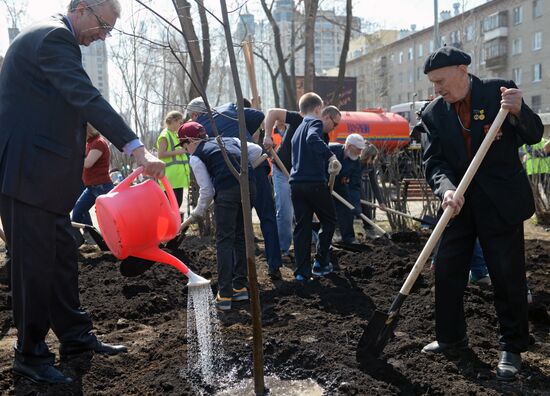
(479, 115)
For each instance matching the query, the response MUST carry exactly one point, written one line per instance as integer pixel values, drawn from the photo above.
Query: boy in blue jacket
(311, 157)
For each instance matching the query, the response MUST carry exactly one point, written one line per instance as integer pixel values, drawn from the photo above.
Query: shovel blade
(429, 221)
(98, 239)
(375, 336)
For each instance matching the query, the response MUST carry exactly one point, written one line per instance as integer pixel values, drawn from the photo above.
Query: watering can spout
(196, 280)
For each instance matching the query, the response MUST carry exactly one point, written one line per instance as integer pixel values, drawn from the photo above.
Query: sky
(395, 14)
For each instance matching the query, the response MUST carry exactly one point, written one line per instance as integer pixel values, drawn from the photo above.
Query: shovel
(369, 221)
(134, 266)
(381, 324)
(94, 232)
(426, 220)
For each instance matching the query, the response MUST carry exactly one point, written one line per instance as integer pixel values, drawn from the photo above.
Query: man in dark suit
(494, 207)
(41, 162)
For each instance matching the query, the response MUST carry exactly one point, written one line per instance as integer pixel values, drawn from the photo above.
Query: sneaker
(301, 278)
(319, 270)
(240, 294)
(484, 280)
(223, 303)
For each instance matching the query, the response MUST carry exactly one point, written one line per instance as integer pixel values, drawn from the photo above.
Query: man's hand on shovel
(455, 202)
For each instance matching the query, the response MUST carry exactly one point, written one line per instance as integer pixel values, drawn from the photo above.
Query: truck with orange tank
(387, 131)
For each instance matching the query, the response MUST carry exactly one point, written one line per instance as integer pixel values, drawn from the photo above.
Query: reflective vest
(177, 166)
(537, 161)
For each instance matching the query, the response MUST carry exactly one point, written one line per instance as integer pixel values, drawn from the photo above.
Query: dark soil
(310, 331)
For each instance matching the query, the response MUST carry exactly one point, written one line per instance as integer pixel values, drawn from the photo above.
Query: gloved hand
(197, 215)
(334, 166)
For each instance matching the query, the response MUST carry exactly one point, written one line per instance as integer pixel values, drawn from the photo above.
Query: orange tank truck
(387, 131)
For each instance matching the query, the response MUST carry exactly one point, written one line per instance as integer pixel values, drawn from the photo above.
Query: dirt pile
(310, 331)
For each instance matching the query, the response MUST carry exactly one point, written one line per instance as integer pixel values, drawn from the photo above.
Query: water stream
(205, 351)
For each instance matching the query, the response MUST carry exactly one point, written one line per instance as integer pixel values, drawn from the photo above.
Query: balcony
(501, 32)
(496, 62)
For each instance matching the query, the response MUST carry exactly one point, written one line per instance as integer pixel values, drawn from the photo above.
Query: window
(537, 41)
(536, 103)
(400, 57)
(470, 32)
(419, 73)
(516, 75)
(537, 72)
(537, 8)
(420, 51)
(410, 54)
(455, 37)
(517, 15)
(411, 76)
(516, 46)
(431, 46)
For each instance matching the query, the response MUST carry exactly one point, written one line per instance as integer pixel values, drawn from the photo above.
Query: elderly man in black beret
(494, 207)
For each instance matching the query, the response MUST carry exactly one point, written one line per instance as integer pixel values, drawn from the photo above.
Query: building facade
(95, 62)
(506, 38)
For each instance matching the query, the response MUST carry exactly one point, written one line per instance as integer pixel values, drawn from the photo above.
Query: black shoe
(43, 373)
(509, 366)
(440, 347)
(274, 274)
(99, 347)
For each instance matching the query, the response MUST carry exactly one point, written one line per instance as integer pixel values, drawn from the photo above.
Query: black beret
(446, 56)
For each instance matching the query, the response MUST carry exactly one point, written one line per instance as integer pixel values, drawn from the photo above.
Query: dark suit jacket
(501, 175)
(46, 98)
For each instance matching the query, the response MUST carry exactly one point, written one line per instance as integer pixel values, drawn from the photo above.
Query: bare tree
(344, 53)
(310, 10)
(183, 9)
(288, 83)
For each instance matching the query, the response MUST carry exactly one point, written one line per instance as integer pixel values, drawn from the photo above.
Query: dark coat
(501, 175)
(46, 98)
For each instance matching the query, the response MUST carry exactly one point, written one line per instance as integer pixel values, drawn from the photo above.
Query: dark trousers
(503, 248)
(265, 208)
(309, 198)
(230, 244)
(344, 218)
(368, 195)
(44, 281)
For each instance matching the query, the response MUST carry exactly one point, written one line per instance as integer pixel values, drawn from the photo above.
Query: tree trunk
(343, 55)
(258, 355)
(206, 64)
(310, 9)
(183, 9)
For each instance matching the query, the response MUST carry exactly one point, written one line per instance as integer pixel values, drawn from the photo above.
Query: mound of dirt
(310, 331)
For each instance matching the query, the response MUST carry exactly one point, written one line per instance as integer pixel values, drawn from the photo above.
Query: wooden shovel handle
(448, 213)
(279, 163)
(390, 210)
(349, 205)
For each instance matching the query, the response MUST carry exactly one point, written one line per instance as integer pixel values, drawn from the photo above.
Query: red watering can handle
(123, 185)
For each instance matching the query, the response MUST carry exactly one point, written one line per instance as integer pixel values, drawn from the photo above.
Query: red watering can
(134, 220)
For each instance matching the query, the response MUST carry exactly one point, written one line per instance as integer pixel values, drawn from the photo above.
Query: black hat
(446, 56)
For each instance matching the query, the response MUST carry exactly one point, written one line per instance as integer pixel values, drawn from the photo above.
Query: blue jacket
(348, 181)
(310, 153)
(225, 117)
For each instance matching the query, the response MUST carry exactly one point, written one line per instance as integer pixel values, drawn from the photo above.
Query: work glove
(197, 215)
(334, 166)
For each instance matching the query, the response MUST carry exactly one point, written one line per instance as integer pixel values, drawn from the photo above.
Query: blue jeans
(283, 205)
(265, 208)
(478, 265)
(81, 210)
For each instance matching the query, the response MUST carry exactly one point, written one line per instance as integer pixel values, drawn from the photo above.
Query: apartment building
(506, 38)
(95, 62)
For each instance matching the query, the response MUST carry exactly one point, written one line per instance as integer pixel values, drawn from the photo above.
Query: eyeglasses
(101, 22)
